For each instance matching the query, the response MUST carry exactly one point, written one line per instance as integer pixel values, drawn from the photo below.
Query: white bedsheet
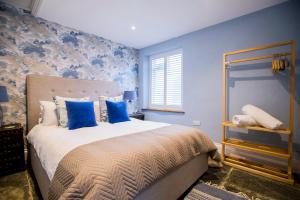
(52, 143)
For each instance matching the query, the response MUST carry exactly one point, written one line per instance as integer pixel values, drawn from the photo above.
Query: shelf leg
(292, 96)
(224, 104)
(223, 140)
(291, 156)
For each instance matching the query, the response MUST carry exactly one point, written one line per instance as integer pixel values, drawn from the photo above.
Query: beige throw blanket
(122, 167)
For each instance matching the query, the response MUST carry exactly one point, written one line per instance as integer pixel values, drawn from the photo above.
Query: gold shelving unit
(286, 154)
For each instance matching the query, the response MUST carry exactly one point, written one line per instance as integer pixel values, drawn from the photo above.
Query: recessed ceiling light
(133, 28)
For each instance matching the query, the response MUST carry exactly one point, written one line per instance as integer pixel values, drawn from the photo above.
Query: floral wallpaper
(30, 45)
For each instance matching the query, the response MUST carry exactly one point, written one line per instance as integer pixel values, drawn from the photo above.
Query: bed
(44, 162)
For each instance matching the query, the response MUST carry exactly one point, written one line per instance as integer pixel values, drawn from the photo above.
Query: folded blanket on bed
(121, 167)
(243, 120)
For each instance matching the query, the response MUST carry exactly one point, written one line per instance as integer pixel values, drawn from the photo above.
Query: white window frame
(165, 106)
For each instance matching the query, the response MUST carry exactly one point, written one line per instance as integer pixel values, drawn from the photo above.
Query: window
(166, 81)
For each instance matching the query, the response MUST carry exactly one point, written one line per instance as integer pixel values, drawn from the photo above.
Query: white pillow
(48, 113)
(97, 110)
(262, 117)
(61, 109)
(103, 108)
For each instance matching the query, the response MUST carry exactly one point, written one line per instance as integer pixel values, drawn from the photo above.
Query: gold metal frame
(263, 170)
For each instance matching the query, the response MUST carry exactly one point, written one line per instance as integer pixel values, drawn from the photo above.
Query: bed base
(172, 186)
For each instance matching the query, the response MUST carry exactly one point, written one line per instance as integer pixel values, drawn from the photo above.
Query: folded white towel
(263, 118)
(243, 120)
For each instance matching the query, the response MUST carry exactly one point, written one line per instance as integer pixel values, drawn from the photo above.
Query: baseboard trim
(251, 156)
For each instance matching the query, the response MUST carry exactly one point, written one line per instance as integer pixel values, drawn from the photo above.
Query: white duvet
(52, 143)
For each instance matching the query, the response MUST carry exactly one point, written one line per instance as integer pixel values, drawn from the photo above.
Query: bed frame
(174, 184)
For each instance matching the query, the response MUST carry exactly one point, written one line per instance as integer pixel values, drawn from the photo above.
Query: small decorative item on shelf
(279, 63)
(3, 98)
(130, 96)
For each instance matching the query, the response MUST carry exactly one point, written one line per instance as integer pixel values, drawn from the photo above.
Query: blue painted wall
(252, 83)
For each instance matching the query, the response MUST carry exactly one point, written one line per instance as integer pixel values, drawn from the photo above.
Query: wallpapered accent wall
(30, 45)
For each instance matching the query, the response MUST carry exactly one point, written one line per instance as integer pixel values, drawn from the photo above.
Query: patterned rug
(225, 183)
(203, 191)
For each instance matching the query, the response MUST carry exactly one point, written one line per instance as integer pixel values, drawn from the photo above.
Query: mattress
(52, 143)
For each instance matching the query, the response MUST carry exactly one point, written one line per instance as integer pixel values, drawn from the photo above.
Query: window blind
(157, 81)
(166, 80)
(173, 96)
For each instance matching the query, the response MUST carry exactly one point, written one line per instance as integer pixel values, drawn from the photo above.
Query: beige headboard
(45, 87)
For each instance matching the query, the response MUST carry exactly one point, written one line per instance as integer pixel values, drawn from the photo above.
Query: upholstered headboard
(45, 87)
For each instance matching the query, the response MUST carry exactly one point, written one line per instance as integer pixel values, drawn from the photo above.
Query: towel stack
(253, 115)
(243, 120)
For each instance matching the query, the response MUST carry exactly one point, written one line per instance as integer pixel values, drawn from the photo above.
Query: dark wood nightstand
(11, 149)
(138, 115)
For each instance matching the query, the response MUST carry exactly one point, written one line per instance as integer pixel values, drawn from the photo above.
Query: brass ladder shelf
(286, 154)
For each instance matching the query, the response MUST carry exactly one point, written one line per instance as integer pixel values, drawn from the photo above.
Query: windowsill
(163, 110)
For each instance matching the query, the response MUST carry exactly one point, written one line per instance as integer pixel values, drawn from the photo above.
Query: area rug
(204, 191)
(18, 186)
(221, 181)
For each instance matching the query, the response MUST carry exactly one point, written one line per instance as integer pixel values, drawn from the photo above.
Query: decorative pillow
(103, 108)
(97, 110)
(117, 112)
(262, 117)
(80, 114)
(48, 113)
(61, 108)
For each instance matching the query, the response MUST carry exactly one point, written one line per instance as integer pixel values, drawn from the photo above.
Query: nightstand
(137, 115)
(11, 149)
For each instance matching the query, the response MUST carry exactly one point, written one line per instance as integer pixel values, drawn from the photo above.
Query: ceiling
(155, 20)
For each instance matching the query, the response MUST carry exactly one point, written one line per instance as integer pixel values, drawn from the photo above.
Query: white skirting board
(251, 156)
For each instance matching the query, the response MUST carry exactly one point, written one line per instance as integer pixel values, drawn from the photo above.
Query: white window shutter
(157, 81)
(174, 80)
(166, 81)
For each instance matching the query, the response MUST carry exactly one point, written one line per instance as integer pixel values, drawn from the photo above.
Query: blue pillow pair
(82, 114)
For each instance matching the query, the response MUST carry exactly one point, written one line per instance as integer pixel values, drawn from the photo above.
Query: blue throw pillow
(117, 112)
(80, 114)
